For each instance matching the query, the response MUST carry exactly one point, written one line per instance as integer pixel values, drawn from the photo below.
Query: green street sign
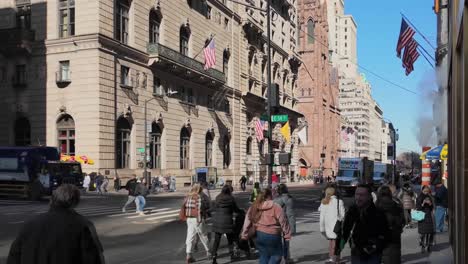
(279, 118)
(264, 117)
(141, 150)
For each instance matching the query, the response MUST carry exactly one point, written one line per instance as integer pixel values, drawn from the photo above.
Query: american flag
(210, 54)
(410, 56)
(259, 130)
(406, 34)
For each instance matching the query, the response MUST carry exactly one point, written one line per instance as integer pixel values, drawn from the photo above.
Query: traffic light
(273, 97)
(390, 151)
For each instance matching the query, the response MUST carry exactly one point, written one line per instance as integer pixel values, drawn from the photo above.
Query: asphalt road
(157, 237)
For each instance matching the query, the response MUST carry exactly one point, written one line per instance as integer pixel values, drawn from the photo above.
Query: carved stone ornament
(127, 111)
(211, 127)
(158, 117)
(187, 122)
(62, 109)
(137, 77)
(144, 80)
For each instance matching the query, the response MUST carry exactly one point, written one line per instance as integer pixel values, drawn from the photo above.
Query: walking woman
(285, 200)
(426, 227)
(408, 198)
(269, 222)
(195, 212)
(256, 190)
(225, 207)
(331, 210)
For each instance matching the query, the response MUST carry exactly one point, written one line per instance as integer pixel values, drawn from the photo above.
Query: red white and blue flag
(406, 34)
(259, 126)
(210, 54)
(410, 56)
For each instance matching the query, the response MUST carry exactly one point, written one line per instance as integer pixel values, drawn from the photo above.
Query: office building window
(20, 75)
(155, 146)
(154, 24)
(184, 40)
(66, 135)
(248, 147)
(209, 149)
(64, 70)
(122, 21)
(310, 31)
(226, 152)
(184, 149)
(66, 18)
(122, 144)
(125, 76)
(23, 17)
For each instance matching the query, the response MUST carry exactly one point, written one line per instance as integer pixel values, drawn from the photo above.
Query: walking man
(242, 182)
(366, 227)
(140, 192)
(131, 188)
(441, 203)
(60, 235)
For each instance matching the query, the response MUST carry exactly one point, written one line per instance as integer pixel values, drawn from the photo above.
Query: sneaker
(141, 213)
(123, 210)
(190, 260)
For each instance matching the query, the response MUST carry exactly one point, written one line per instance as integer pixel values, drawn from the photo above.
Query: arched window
(226, 152)
(154, 24)
(184, 149)
(66, 135)
(184, 40)
(22, 132)
(155, 146)
(310, 31)
(248, 147)
(209, 149)
(261, 146)
(122, 143)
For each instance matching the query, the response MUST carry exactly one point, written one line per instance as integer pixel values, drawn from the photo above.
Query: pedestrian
(206, 200)
(155, 184)
(195, 213)
(396, 220)
(86, 182)
(224, 208)
(58, 236)
(105, 183)
(408, 198)
(99, 181)
(441, 203)
(117, 183)
(267, 221)
(332, 213)
(426, 227)
(140, 192)
(256, 190)
(173, 184)
(366, 227)
(243, 182)
(131, 188)
(285, 200)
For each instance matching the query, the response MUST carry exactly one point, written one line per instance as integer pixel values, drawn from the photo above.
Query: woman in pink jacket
(269, 222)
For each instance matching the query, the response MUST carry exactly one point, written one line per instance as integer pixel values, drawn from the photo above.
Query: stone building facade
(318, 85)
(79, 74)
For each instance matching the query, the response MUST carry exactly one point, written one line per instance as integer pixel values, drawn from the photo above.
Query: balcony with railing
(16, 40)
(173, 61)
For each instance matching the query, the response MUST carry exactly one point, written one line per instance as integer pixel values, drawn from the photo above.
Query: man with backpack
(131, 188)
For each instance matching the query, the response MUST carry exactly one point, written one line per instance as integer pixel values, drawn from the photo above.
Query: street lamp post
(145, 163)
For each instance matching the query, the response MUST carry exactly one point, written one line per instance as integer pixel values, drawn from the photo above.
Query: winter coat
(86, 181)
(367, 229)
(141, 190)
(272, 221)
(286, 202)
(407, 197)
(329, 214)
(441, 196)
(131, 186)
(56, 237)
(426, 226)
(222, 218)
(395, 218)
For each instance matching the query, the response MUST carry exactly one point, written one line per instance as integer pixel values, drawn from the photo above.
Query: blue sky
(378, 29)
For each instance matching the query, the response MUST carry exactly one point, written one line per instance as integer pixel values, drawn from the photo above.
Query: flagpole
(419, 32)
(427, 53)
(422, 53)
(211, 39)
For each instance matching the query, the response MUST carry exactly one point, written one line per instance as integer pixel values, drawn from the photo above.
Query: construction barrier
(426, 173)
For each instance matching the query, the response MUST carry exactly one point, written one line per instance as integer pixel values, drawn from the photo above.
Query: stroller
(244, 245)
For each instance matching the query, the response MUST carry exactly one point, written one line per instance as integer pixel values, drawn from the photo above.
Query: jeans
(217, 239)
(373, 259)
(270, 248)
(440, 218)
(141, 201)
(131, 199)
(243, 187)
(193, 229)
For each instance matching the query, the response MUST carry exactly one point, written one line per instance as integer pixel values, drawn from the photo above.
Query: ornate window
(22, 132)
(184, 149)
(184, 40)
(310, 31)
(226, 152)
(248, 147)
(155, 146)
(122, 144)
(154, 24)
(209, 149)
(66, 135)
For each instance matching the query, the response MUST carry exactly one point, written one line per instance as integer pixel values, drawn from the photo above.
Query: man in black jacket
(131, 188)
(59, 236)
(441, 203)
(366, 228)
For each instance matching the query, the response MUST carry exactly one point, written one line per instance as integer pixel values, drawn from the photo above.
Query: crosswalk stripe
(161, 217)
(121, 214)
(159, 213)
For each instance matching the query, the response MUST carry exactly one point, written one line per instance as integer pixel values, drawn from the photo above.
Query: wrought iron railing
(171, 55)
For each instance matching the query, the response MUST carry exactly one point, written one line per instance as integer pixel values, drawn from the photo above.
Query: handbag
(339, 224)
(182, 215)
(417, 215)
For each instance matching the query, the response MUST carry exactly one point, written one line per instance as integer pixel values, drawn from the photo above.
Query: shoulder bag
(339, 224)
(182, 215)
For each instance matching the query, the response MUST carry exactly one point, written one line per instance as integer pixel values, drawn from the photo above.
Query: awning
(437, 153)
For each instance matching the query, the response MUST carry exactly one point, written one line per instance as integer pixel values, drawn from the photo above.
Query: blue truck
(35, 171)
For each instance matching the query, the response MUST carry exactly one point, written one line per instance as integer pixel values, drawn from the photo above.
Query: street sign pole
(270, 126)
